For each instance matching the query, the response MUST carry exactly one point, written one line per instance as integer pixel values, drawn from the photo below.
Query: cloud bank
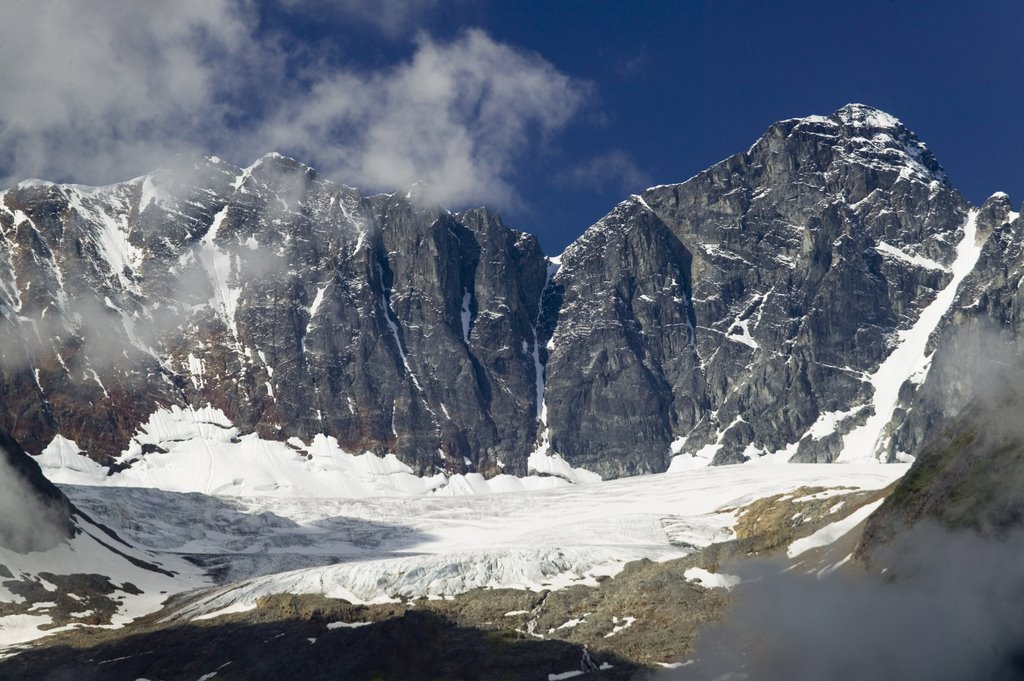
(98, 92)
(946, 609)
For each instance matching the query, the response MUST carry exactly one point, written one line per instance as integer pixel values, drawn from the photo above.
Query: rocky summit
(808, 299)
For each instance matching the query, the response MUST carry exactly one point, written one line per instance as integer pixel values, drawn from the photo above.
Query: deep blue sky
(711, 76)
(659, 90)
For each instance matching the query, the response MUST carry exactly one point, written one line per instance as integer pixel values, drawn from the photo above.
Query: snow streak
(386, 309)
(909, 359)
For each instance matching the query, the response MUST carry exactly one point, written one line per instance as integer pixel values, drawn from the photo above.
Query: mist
(28, 522)
(947, 607)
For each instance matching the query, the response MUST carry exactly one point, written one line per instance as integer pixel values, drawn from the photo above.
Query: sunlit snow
(366, 529)
(832, 532)
(909, 357)
(546, 539)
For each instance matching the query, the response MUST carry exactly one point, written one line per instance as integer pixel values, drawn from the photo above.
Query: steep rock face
(779, 281)
(295, 305)
(779, 304)
(622, 345)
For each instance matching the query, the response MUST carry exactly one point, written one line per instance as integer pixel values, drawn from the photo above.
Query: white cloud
(457, 116)
(98, 92)
(91, 86)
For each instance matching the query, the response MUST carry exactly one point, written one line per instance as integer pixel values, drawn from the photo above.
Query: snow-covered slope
(90, 578)
(199, 450)
(263, 517)
(373, 549)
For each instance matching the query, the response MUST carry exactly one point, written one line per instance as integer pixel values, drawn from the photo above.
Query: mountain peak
(862, 115)
(869, 137)
(281, 163)
(417, 191)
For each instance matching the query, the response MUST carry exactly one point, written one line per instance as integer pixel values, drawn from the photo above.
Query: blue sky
(551, 112)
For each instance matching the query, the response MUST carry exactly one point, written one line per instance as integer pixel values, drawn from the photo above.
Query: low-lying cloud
(98, 92)
(27, 521)
(947, 608)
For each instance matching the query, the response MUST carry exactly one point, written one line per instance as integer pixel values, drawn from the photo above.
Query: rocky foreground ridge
(816, 297)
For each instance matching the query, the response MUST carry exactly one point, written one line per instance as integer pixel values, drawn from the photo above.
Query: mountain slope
(968, 475)
(777, 265)
(783, 304)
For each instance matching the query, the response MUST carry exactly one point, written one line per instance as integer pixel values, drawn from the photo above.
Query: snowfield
(379, 549)
(203, 452)
(267, 518)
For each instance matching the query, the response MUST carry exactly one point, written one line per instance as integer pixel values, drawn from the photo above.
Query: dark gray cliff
(745, 312)
(730, 314)
(295, 305)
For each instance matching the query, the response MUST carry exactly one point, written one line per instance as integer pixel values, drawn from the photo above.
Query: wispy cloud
(458, 116)
(98, 93)
(614, 170)
(392, 17)
(634, 65)
(89, 89)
